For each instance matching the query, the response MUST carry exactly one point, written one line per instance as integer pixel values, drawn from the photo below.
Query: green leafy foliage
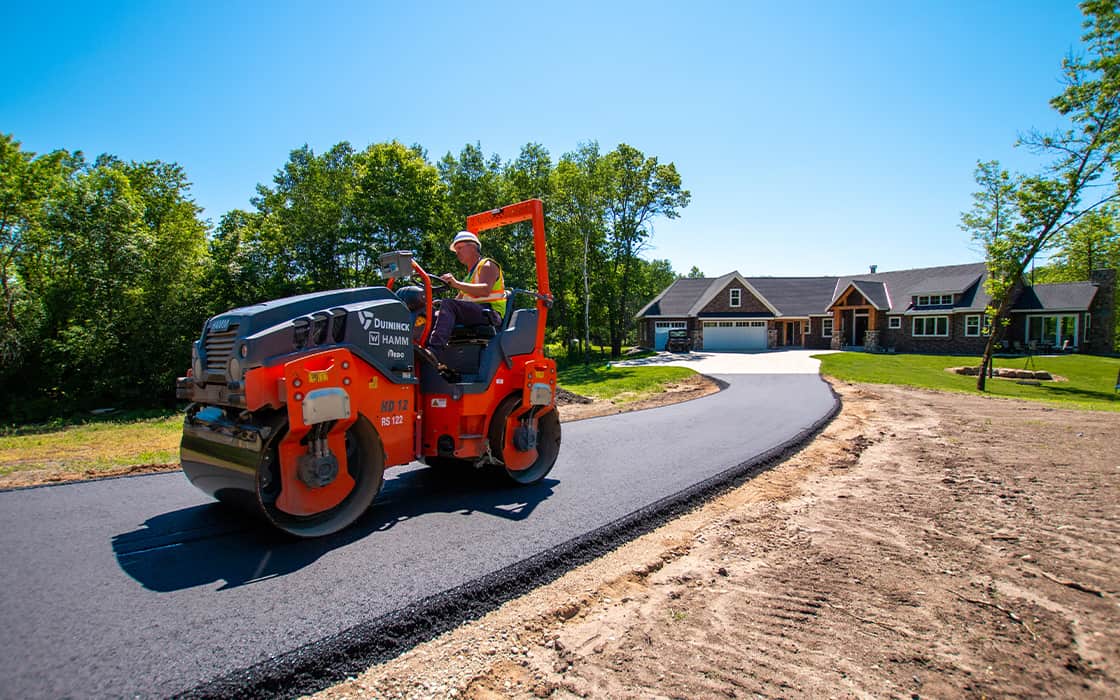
(1091, 243)
(104, 268)
(107, 273)
(1015, 217)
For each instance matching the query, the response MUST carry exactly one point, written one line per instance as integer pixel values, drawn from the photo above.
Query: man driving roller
(481, 298)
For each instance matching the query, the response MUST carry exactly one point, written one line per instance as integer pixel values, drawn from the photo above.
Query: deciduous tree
(638, 190)
(1016, 217)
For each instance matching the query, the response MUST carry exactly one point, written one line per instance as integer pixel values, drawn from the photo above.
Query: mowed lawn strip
(1091, 380)
(96, 445)
(110, 443)
(620, 384)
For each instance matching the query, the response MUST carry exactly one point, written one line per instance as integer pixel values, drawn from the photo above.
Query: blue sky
(816, 138)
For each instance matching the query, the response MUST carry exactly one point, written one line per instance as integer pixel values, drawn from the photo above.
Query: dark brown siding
(957, 343)
(814, 340)
(722, 301)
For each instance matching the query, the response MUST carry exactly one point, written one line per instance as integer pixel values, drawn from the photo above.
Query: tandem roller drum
(238, 464)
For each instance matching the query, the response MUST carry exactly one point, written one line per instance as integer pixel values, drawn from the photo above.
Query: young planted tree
(1015, 217)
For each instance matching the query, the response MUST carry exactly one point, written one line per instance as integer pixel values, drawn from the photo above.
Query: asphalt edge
(319, 665)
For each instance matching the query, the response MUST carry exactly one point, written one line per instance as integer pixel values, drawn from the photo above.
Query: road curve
(141, 586)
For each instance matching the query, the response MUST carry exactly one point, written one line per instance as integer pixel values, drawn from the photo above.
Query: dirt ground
(925, 545)
(571, 407)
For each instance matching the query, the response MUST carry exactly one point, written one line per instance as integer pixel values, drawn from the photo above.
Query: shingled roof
(1065, 296)
(889, 291)
(904, 284)
(679, 297)
(795, 296)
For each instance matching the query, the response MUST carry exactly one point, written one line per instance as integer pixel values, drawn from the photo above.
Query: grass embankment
(95, 445)
(106, 444)
(1090, 385)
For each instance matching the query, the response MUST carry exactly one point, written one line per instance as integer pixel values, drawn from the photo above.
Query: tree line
(108, 271)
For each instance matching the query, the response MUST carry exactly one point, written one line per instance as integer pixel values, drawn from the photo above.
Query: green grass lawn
(98, 444)
(619, 384)
(1090, 386)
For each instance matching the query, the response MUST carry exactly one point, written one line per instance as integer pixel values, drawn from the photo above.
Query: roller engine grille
(219, 348)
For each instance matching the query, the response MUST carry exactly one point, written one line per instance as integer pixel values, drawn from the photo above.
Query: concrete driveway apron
(713, 363)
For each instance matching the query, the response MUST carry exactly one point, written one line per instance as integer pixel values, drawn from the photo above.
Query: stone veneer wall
(1102, 327)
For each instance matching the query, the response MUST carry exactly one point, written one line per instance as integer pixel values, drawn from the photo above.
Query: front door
(859, 329)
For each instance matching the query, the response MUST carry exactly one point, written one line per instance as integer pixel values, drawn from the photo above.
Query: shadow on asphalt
(662, 358)
(213, 542)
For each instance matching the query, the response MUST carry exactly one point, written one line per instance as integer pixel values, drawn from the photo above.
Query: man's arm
(487, 274)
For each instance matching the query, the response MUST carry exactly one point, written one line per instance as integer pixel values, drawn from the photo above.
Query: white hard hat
(465, 236)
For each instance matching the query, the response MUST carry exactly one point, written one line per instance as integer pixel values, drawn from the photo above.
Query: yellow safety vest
(496, 299)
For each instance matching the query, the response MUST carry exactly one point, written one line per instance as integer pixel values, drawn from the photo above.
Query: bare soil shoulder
(926, 544)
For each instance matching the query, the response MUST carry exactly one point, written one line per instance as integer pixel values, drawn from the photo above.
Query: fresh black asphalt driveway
(144, 587)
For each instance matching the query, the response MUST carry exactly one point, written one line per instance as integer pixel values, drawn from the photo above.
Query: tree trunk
(995, 334)
(619, 327)
(586, 300)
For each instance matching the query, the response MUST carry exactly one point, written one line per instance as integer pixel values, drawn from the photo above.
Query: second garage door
(734, 335)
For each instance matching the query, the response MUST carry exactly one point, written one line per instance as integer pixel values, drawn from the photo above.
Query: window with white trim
(931, 327)
(894, 323)
(972, 326)
(933, 300)
(826, 327)
(1088, 318)
(670, 324)
(736, 297)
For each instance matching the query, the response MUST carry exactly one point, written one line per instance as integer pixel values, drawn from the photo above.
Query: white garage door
(661, 332)
(734, 335)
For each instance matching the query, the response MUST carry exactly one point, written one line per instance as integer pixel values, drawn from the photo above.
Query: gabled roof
(874, 292)
(678, 297)
(1065, 296)
(904, 284)
(719, 284)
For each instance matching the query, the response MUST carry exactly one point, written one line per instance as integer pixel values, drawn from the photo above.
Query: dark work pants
(461, 311)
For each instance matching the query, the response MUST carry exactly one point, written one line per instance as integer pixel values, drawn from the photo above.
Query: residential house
(933, 309)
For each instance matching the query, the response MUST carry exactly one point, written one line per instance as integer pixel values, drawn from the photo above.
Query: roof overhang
(855, 285)
(715, 289)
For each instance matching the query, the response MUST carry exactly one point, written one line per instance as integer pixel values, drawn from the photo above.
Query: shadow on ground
(213, 542)
(663, 358)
